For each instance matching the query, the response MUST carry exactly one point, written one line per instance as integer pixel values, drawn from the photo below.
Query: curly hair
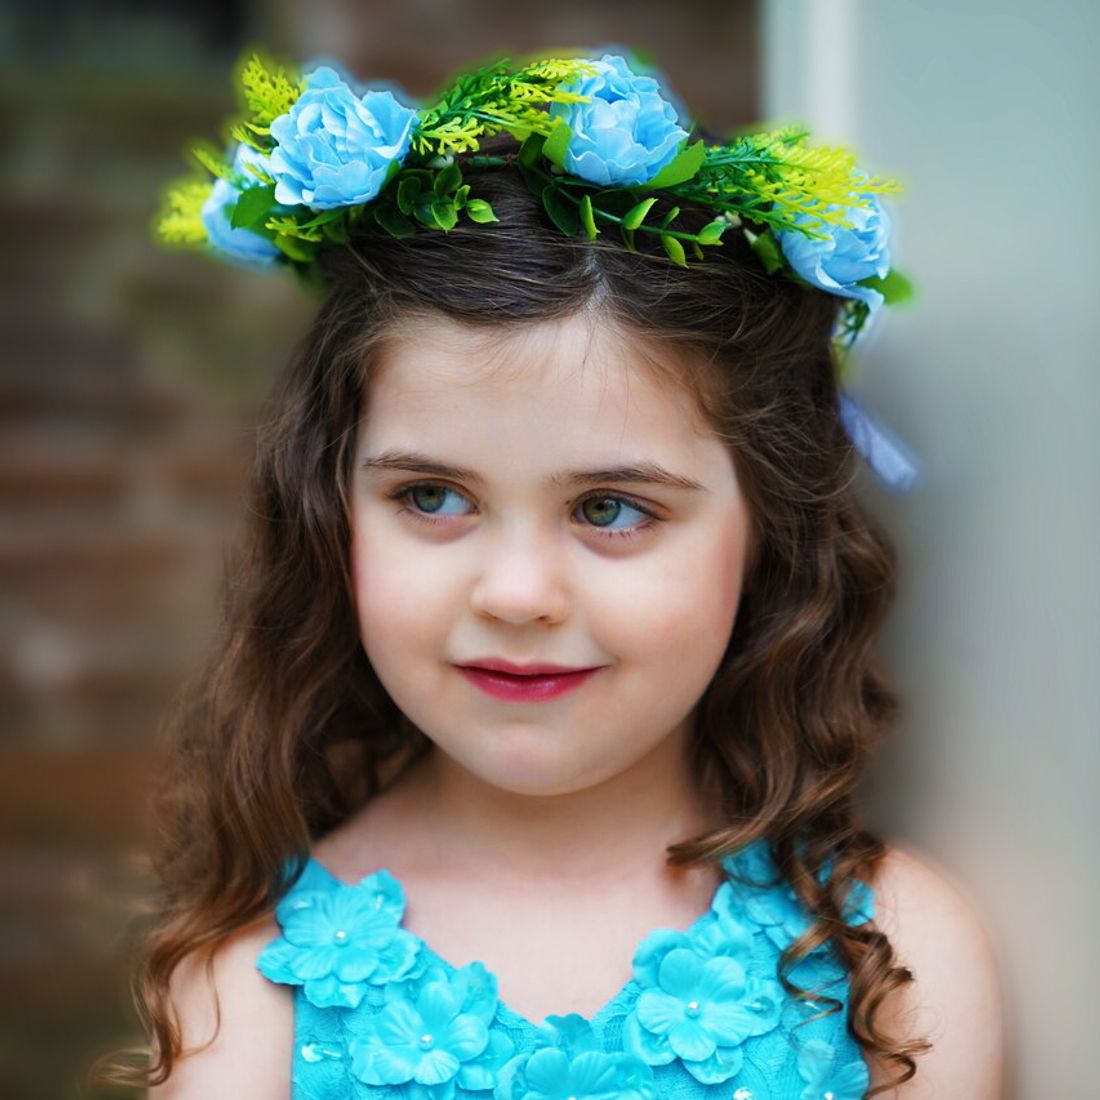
(287, 731)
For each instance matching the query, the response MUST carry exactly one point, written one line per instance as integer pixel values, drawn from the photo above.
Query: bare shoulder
(251, 1051)
(954, 1000)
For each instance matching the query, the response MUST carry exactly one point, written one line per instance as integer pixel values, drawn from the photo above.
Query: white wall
(986, 111)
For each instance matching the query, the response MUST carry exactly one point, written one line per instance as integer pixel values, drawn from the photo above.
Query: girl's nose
(519, 579)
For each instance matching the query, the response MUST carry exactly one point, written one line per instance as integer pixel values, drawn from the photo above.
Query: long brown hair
(288, 731)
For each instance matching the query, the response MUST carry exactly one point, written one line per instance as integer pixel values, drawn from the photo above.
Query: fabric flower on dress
(773, 906)
(567, 1064)
(627, 132)
(827, 1081)
(433, 1033)
(697, 1002)
(337, 941)
(335, 148)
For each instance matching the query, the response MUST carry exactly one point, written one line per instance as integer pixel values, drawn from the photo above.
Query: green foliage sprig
(268, 90)
(494, 99)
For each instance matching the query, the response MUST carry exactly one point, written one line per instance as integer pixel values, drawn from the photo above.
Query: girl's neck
(616, 829)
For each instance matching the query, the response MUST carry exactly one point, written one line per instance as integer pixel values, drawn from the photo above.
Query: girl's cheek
(711, 591)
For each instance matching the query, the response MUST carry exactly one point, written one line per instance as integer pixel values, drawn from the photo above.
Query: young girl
(527, 768)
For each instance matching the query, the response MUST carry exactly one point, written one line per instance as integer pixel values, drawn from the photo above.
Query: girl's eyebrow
(638, 473)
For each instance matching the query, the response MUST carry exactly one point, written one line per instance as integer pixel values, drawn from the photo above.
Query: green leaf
(448, 180)
(669, 216)
(697, 251)
(337, 231)
(252, 207)
(478, 210)
(447, 216)
(323, 218)
(557, 143)
(536, 179)
(681, 168)
(628, 238)
(407, 191)
(424, 212)
(392, 170)
(765, 247)
(894, 287)
(674, 249)
(296, 248)
(636, 215)
(615, 200)
(588, 220)
(711, 233)
(393, 220)
(561, 211)
(461, 195)
(531, 150)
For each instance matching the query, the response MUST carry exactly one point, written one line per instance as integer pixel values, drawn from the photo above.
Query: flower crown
(599, 140)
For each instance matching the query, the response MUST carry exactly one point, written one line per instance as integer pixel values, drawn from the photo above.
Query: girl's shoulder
(939, 933)
(221, 1009)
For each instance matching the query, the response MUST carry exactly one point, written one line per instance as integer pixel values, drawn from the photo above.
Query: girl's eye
(425, 495)
(611, 506)
(426, 500)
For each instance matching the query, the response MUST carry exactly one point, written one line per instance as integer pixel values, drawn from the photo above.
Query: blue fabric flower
(628, 131)
(336, 941)
(237, 244)
(773, 906)
(827, 1081)
(845, 256)
(335, 148)
(697, 1004)
(567, 1064)
(424, 1036)
(474, 989)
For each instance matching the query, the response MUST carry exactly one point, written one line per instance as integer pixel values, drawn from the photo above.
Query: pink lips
(526, 688)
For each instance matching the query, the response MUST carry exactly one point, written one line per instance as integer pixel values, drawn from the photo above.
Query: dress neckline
(505, 1012)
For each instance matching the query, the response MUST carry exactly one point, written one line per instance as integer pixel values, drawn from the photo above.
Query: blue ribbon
(892, 462)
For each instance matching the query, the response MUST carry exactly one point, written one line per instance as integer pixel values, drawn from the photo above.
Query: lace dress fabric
(380, 1015)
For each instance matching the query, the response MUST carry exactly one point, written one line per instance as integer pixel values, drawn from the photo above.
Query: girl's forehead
(544, 399)
(568, 365)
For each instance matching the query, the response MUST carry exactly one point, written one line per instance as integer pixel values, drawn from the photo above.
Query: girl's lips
(524, 689)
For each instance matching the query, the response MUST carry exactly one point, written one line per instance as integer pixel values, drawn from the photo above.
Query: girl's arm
(955, 999)
(251, 1054)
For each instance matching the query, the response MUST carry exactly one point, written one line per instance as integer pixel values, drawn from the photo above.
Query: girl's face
(518, 551)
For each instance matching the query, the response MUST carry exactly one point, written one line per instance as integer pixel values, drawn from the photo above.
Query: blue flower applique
(568, 1064)
(825, 1080)
(336, 943)
(432, 1033)
(698, 1003)
(773, 906)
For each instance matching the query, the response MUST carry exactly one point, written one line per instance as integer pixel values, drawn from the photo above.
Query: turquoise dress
(380, 1015)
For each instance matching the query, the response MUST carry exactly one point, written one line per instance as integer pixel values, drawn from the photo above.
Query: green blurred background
(131, 378)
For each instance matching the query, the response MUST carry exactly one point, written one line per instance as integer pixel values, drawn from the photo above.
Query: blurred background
(131, 380)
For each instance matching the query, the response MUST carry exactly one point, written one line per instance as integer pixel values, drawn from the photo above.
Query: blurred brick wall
(129, 385)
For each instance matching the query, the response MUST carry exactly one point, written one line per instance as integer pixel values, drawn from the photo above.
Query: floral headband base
(601, 141)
